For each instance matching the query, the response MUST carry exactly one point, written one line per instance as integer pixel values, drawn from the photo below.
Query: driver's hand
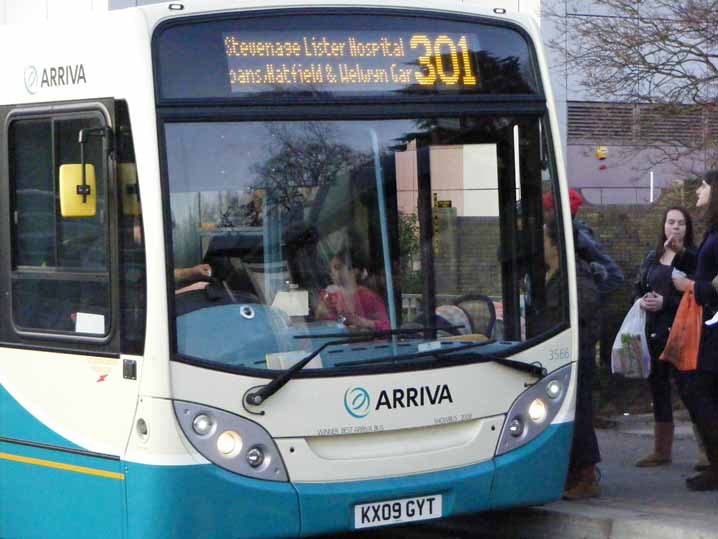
(200, 285)
(202, 271)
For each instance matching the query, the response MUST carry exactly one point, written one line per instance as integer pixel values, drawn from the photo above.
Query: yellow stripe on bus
(60, 466)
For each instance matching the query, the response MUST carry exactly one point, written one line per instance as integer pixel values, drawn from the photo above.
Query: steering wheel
(218, 289)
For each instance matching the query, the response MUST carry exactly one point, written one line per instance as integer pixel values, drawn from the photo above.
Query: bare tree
(660, 56)
(306, 156)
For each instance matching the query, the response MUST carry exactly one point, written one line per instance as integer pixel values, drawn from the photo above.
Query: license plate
(368, 515)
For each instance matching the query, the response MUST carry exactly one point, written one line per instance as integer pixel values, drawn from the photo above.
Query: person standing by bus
(699, 388)
(608, 275)
(582, 481)
(659, 298)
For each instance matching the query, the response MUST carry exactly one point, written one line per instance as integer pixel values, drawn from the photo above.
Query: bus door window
(60, 271)
(546, 273)
(133, 287)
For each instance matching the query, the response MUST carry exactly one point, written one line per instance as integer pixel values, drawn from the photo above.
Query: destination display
(351, 61)
(328, 54)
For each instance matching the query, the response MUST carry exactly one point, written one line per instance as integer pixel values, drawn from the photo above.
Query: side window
(60, 277)
(133, 288)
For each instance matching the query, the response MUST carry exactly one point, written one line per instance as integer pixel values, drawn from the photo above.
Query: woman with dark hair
(660, 300)
(699, 388)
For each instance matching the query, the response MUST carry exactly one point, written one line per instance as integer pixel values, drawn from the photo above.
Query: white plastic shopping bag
(629, 354)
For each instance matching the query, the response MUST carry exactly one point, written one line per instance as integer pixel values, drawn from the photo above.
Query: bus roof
(157, 12)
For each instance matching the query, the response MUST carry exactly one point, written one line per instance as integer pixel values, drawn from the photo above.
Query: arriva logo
(31, 79)
(54, 76)
(357, 402)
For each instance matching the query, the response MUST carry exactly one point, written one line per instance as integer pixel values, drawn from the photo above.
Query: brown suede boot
(585, 486)
(663, 447)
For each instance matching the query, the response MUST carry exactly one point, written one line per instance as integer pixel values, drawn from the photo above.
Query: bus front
(368, 290)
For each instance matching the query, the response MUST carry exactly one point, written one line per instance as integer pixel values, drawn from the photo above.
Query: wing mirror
(78, 196)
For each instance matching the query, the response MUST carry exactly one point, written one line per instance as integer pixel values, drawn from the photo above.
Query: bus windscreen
(341, 54)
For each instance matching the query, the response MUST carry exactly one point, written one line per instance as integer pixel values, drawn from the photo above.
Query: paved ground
(636, 502)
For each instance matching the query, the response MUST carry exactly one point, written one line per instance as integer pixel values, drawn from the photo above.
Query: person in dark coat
(582, 481)
(699, 388)
(660, 300)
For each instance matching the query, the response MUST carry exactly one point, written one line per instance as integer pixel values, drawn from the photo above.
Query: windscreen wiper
(257, 396)
(535, 369)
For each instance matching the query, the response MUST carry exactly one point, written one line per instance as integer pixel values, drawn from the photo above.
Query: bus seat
(481, 312)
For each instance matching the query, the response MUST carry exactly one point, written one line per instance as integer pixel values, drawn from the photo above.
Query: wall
(628, 232)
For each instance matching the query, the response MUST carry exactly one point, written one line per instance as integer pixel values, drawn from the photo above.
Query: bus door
(71, 297)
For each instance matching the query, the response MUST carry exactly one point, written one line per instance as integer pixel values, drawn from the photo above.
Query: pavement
(635, 503)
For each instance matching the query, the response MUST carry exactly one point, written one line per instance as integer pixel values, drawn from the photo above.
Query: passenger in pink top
(347, 299)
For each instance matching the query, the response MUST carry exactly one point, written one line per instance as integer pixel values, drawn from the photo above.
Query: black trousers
(699, 391)
(584, 451)
(660, 384)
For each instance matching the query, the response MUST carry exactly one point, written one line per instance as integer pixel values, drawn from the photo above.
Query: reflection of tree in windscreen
(305, 156)
(502, 75)
(463, 130)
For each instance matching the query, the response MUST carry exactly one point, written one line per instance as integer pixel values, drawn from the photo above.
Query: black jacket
(658, 324)
(707, 296)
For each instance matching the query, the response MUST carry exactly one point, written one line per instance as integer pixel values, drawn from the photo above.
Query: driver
(346, 300)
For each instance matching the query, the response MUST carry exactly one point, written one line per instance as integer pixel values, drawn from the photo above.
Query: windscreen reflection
(286, 235)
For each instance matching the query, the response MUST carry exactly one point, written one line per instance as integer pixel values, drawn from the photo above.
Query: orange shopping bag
(685, 337)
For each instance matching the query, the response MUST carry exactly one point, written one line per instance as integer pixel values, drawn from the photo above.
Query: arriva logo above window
(357, 400)
(54, 76)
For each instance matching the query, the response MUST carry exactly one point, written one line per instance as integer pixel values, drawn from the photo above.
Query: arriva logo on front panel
(357, 402)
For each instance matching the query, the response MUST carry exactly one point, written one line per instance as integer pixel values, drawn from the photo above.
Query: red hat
(574, 201)
(547, 201)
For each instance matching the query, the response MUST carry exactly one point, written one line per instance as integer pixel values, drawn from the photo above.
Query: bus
(280, 268)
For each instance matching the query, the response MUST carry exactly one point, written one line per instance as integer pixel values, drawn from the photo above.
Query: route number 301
(460, 72)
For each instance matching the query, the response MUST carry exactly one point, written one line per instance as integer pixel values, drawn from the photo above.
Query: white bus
(280, 268)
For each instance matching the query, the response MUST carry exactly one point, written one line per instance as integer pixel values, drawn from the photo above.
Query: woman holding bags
(699, 387)
(660, 300)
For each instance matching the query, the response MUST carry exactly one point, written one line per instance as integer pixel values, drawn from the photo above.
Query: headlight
(537, 411)
(554, 389)
(516, 427)
(203, 424)
(231, 442)
(532, 412)
(255, 457)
